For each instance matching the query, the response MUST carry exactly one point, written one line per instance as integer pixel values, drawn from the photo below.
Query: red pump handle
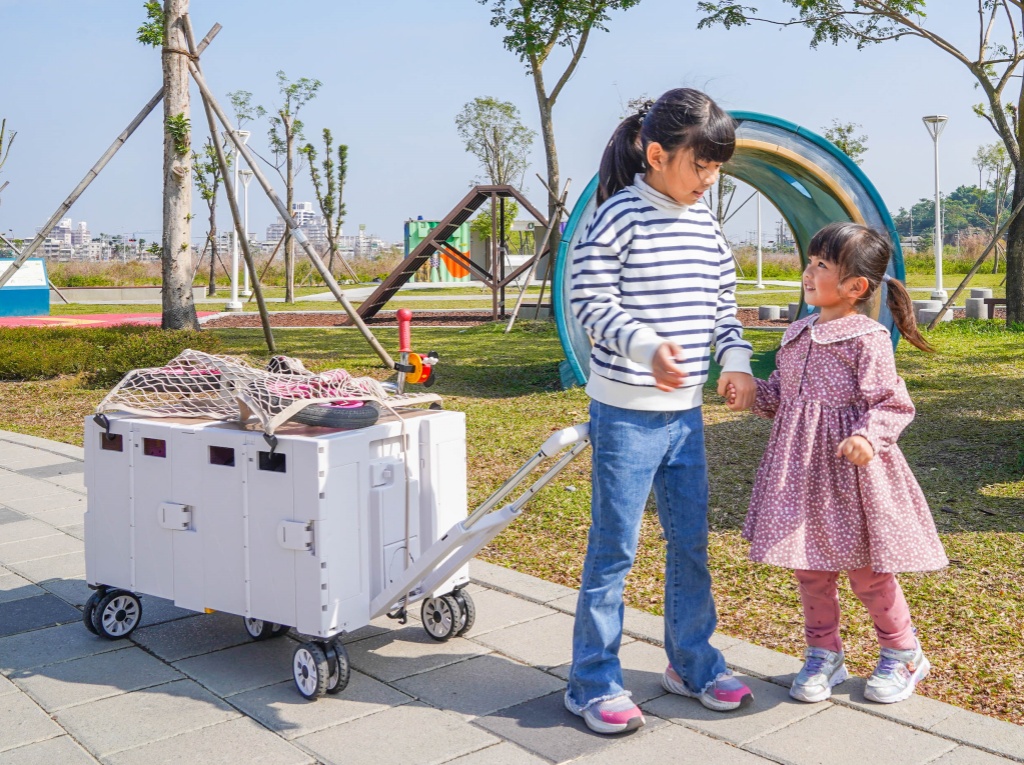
(404, 330)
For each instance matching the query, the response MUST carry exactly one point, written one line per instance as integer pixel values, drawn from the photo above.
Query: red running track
(87, 320)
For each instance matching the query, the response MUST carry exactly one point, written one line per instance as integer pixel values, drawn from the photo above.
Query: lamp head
(935, 124)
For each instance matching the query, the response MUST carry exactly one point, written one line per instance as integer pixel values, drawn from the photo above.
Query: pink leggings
(880, 594)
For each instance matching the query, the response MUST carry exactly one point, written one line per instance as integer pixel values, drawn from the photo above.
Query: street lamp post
(234, 304)
(246, 177)
(935, 124)
(760, 284)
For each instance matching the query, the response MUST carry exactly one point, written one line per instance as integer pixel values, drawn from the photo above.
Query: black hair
(682, 118)
(860, 251)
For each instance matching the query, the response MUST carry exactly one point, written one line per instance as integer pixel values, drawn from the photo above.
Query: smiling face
(679, 174)
(824, 288)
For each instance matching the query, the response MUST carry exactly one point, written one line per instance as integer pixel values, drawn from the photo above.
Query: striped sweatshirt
(647, 270)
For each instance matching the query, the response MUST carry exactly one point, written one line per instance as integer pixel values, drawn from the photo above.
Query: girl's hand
(856, 449)
(738, 389)
(667, 376)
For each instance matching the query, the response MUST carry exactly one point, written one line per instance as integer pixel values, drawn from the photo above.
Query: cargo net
(197, 384)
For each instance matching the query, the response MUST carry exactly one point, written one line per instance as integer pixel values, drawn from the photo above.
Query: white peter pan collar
(835, 331)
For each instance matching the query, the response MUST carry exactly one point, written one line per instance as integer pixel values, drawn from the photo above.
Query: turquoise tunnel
(809, 180)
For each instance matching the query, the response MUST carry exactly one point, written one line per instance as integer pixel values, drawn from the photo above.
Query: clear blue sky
(395, 73)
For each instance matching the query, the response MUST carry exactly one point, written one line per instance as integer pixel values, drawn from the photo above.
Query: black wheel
(90, 608)
(441, 617)
(360, 415)
(117, 615)
(279, 630)
(310, 670)
(468, 611)
(259, 629)
(338, 667)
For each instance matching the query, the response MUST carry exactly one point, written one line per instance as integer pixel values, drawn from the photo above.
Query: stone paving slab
(40, 546)
(408, 651)
(14, 587)
(672, 744)
(60, 686)
(32, 613)
(499, 754)
(7, 515)
(63, 750)
(841, 736)
(65, 566)
(281, 709)
(412, 733)
(642, 666)
(543, 642)
(122, 722)
(242, 668)
(29, 650)
(73, 590)
(996, 736)
(23, 723)
(191, 636)
(965, 755)
(496, 610)
(480, 686)
(236, 741)
(544, 727)
(21, 530)
(917, 711)
(57, 499)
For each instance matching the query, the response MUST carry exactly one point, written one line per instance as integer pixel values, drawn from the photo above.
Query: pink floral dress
(811, 509)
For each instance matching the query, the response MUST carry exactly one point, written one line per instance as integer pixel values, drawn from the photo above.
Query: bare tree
(285, 132)
(994, 161)
(330, 190)
(993, 64)
(206, 171)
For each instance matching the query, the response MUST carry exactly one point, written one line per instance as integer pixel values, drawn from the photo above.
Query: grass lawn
(966, 447)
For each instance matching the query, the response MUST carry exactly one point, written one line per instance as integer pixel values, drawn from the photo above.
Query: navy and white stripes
(644, 273)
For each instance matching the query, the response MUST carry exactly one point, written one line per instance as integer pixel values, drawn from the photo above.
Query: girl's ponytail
(902, 308)
(623, 158)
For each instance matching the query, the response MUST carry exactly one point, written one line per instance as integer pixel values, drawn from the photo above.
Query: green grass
(966, 446)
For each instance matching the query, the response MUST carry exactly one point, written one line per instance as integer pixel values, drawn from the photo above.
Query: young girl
(833, 492)
(653, 284)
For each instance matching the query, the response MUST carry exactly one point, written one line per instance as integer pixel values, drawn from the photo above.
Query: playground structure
(809, 180)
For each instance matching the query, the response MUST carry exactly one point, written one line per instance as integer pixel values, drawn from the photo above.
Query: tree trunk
(547, 130)
(1015, 257)
(179, 310)
(211, 288)
(289, 243)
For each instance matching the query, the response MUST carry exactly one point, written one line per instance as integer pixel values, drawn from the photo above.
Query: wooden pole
(94, 171)
(229, 187)
(296, 232)
(977, 264)
(269, 261)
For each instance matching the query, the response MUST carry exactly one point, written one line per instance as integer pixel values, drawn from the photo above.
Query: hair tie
(886, 278)
(644, 109)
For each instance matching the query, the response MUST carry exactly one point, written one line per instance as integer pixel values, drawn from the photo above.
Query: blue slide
(809, 180)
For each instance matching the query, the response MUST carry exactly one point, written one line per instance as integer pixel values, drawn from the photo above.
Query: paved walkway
(193, 688)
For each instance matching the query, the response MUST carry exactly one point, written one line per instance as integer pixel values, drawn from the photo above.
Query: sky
(396, 72)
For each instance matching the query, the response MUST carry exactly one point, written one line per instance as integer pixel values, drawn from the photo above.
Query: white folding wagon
(314, 529)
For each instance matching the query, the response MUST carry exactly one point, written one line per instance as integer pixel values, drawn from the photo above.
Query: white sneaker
(897, 674)
(822, 670)
(609, 716)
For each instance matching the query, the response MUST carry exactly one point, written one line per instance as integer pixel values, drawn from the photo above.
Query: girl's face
(823, 288)
(679, 175)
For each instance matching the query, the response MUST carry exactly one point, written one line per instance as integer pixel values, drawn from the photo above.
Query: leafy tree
(285, 132)
(493, 133)
(843, 135)
(329, 191)
(7, 138)
(206, 172)
(993, 64)
(993, 160)
(534, 28)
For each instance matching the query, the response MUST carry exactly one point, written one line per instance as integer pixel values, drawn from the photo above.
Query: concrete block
(67, 566)
(784, 313)
(672, 743)
(14, 587)
(53, 499)
(500, 754)
(966, 755)
(408, 651)
(122, 722)
(24, 723)
(48, 646)
(793, 312)
(854, 739)
(759, 661)
(37, 547)
(411, 733)
(235, 741)
(53, 470)
(917, 711)
(62, 749)
(193, 636)
(60, 686)
(981, 293)
(767, 312)
(480, 686)
(984, 732)
(545, 727)
(32, 613)
(74, 591)
(976, 308)
(516, 583)
(10, 516)
(771, 710)
(926, 305)
(495, 610)
(281, 709)
(242, 668)
(26, 528)
(926, 315)
(544, 642)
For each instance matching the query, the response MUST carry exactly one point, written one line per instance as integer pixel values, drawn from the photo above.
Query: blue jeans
(633, 450)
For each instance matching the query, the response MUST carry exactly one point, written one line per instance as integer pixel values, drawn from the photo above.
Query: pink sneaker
(723, 694)
(609, 716)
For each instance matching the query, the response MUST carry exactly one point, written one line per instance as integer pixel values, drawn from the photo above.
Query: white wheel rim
(120, 616)
(305, 671)
(254, 627)
(438, 616)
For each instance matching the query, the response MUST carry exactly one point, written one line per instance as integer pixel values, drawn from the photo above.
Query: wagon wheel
(90, 609)
(468, 607)
(338, 666)
(310, 670)
(259, 629)
(117, 615)
(441, 617)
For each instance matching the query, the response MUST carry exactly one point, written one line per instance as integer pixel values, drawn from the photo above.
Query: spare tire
(345, 415)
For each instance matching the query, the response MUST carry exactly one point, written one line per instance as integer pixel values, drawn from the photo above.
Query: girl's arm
(769, 394)
(890, 409)
(731, 350)
(595, 297)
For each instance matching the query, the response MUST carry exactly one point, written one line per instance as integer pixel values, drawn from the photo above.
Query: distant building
(314, 226)
(80, 234)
